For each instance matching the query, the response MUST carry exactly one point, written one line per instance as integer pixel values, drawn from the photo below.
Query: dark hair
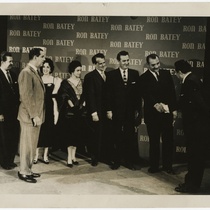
(183, 66)
(98, 55)
(4, 55)
(34, 52)
(121, 53)
(73, 65)
(151, 56)
(50, 62)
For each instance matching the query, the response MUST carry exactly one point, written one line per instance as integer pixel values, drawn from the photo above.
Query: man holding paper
(158, 91)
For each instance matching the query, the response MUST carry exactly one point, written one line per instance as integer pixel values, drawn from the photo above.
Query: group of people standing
(102, 112)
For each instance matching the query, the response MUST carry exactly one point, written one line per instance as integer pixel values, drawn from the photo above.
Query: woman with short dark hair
(52, 85)
(71, 120)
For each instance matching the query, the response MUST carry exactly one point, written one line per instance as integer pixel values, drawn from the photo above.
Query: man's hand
(95, 117)
(1, 118)
(159, 107)
(109, 115)
(36, 121)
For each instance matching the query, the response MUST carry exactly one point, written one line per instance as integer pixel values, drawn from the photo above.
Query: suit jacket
(94, 90)
(193, 102)
(153, 91)
(9, 96)
(32, 95)
(122, 99)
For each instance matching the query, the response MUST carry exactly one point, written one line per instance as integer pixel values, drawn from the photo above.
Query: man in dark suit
(31, 112)
(157, 89)
(196, 123)
(123, 107)
(94, 89)
(9, 102)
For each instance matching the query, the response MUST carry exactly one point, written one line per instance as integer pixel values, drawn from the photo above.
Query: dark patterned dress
(47, 128)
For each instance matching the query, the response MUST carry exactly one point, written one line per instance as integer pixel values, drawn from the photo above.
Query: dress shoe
(76, 163)
(94, 163)
(13, 165)
(153, 170)
(70, 165)
(35, 175)
(46, 161)
(35, 161)
(130, 166)
(169, 171)
(115, 166)
(7, 167)
(27, 178)
(183, 188)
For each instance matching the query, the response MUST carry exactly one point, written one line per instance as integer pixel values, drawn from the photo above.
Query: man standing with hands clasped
(31, 112)
(124, 109)
(157, 89)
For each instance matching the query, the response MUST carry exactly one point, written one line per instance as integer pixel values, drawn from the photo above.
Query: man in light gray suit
(31, 112)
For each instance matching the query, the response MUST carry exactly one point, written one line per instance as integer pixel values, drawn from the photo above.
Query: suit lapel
(37, 75)
(119, 76)
(4, 79)
(98, 76)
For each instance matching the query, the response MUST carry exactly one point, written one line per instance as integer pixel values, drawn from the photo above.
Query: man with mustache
(9, 102)
(157, 89)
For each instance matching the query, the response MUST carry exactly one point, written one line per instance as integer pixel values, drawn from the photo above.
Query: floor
(86, 186)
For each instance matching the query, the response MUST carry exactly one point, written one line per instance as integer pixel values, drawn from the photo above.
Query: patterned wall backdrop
(80, 37)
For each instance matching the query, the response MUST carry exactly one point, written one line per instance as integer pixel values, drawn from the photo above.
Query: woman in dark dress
(71, 111)
(52, 85)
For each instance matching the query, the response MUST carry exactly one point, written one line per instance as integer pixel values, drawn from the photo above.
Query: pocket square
(133, 82)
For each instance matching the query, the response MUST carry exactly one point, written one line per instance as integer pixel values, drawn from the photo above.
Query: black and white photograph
(105, 105)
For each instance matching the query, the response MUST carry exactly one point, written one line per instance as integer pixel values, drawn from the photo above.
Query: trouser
(155, 131)
(28, 143)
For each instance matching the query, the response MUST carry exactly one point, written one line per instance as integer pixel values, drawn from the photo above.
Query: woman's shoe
(35, 161)
(69, 165)
(46, 161)
(75, 163)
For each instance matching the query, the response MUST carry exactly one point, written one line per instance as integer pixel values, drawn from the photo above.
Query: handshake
(161, 107)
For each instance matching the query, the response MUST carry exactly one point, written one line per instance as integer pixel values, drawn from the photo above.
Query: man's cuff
(94, 114)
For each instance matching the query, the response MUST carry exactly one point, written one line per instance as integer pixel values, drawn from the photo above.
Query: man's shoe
(153, 170)
(26, 178)
(182, 188)
(169, 171)
(94, 163)
(35, 175)
(130, 166)
(13, 165)
(115, 166)
(7, 167)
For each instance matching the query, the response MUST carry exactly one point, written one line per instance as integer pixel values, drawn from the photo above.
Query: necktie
(103, 75)
(157, 75)
(124, 76)
(9, 77)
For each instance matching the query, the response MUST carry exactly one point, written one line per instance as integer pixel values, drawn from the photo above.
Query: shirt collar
(100, 72)
(34, 67)
(5, 71)
(186, 76)
(123, 70)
